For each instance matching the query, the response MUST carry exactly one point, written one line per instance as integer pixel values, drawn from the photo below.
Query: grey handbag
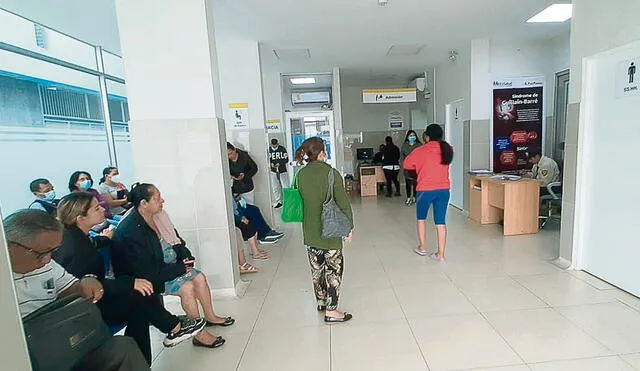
(334, 223)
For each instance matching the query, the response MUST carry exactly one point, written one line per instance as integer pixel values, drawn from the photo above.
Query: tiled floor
(496, 305)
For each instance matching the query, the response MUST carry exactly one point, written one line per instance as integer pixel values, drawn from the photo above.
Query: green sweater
(313, 187)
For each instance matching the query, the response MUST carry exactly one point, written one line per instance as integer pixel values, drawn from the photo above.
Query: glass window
(119, 112)
(48, 128)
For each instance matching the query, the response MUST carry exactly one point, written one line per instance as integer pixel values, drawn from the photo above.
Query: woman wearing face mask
(147, 245)
(127, 300)
(113, 191)
(81, 181)
(411, 142)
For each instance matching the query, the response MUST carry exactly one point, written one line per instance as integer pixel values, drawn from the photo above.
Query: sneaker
(264, 241)
(408, 202)
(188, 329)
(278, 205)
(273, 235)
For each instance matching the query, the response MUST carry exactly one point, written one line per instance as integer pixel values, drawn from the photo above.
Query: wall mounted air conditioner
(319, 97)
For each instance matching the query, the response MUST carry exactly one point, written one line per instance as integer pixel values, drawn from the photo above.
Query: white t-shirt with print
(41, 286)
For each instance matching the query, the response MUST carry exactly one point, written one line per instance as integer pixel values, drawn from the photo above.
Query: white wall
(598, 26)
(453, 82)
(357, 116)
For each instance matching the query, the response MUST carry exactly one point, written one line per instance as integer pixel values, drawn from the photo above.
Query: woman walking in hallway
(411, 142)
(431, 162)
(325, 255)
(391, 165)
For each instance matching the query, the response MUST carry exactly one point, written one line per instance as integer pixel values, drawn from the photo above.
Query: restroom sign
(628, 78)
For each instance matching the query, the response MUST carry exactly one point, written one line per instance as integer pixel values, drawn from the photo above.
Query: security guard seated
(545, 170)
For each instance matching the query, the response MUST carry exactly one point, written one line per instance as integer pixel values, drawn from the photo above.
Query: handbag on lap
(63, 332)
(334, 223)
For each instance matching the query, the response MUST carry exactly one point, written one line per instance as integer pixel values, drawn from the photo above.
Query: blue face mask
(50, 196)
(412, 139)
(85, 184)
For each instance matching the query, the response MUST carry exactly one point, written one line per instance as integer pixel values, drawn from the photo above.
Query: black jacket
(391, 155)
(137, 252)
(80, 255)
(245, 165)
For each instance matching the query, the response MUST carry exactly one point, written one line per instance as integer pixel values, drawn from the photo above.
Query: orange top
(426, 160)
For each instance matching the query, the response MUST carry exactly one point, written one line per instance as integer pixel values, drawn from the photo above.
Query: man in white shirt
(32, 235)
(545, 169)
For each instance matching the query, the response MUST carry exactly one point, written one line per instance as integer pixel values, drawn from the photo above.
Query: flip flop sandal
(261, 256)
(420, 252)
(248, 268)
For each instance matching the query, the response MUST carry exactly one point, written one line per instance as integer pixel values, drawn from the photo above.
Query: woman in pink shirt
(431, 161)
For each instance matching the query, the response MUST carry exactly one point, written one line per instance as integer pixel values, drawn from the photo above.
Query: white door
(608, 184)
(454, 133)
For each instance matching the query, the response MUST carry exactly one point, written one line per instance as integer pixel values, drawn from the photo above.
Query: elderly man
(32, 235)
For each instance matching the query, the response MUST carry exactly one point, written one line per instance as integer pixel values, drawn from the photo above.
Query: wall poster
(239, 114)
(518, 121)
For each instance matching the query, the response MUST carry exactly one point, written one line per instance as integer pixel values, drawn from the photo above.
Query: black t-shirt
(279, 159)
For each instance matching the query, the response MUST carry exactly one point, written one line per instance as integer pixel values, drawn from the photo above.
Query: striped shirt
(41, 286)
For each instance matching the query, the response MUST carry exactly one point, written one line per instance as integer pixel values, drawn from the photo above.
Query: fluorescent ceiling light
(303, 80)
(554, 13)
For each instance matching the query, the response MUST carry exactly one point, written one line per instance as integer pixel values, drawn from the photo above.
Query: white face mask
(115, 178)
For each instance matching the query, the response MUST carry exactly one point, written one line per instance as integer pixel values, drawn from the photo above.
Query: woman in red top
(431, 161)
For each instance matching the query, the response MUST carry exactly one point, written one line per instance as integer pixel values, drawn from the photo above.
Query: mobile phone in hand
(189, 263)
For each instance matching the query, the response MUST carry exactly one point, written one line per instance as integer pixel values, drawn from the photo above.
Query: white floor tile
(506, 368)
(633, 360)
(186, 357)
(289, 350)
(462, 342)
(594, 364)
(371, 305)
(592, 280)
(375, 347)
(542, 335)
(432, 299)
(613, 324)
(289, 309)
(563, 289)
(498, 294)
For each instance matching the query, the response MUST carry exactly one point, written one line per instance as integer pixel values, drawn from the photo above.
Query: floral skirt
(170, 257)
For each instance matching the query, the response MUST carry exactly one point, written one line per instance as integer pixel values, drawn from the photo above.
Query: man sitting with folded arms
(32, 235)
(45, 196)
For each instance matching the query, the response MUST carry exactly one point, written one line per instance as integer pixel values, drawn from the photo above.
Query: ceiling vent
(409, 49)
(287, 54)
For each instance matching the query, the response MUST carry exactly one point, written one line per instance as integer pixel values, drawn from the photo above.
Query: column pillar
(178, 135)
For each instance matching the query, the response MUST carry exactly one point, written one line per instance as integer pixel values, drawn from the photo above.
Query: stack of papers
(480, 172)
(506, 177)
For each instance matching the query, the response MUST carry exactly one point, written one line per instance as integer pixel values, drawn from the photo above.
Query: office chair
(554, 198)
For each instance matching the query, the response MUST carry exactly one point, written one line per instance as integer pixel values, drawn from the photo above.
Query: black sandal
(216, 344)
(227, 322)
(322, 308)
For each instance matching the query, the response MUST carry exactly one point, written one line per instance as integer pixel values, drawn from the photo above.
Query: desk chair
(554, 198)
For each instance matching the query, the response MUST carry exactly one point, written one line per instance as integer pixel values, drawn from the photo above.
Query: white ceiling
(357, 34)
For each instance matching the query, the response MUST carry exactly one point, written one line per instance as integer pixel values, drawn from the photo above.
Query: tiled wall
(186, 159)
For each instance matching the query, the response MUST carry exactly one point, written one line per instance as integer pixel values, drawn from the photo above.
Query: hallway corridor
(496, 302)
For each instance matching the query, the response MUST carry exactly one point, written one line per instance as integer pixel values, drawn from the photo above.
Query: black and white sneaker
(188, 329)
(278, 205)
(274, 236)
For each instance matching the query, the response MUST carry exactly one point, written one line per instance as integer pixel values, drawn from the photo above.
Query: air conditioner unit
(420, 83)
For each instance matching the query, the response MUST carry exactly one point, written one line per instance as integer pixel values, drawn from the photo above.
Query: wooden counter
(370, 176)
(516, 203)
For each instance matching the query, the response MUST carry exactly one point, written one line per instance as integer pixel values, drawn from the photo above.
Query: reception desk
(370, 176)
(515, 203)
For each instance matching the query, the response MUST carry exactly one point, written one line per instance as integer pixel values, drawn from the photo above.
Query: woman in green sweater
(325, 255)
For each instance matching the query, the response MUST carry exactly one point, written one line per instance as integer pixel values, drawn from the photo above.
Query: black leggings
(392, 177)
(410, 183)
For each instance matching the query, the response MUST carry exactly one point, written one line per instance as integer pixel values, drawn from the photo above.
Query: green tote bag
(292, 204)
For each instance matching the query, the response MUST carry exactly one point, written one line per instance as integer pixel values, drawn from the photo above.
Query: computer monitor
(364, 154)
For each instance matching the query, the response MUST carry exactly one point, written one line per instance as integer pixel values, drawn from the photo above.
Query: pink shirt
(426, 160)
